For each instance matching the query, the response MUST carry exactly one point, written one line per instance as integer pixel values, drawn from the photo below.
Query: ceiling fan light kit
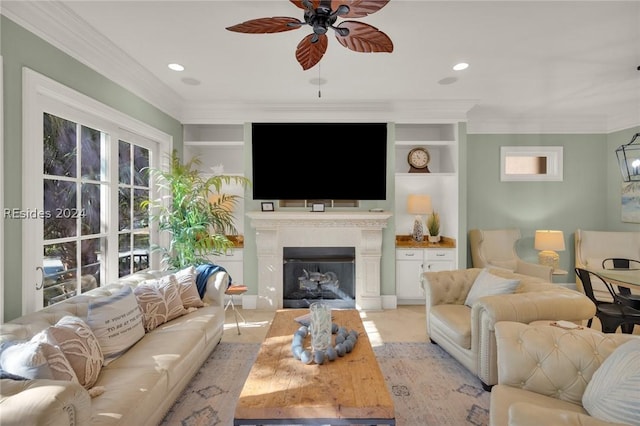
(321, 15)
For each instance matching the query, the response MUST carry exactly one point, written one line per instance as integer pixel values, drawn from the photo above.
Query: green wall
(587, 198)
(20, 48)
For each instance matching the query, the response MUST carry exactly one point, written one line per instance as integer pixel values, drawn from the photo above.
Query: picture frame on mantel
(267, 206)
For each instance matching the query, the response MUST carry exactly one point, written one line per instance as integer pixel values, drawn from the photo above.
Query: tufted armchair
(467, 333)
(543, 372)
(496, 248)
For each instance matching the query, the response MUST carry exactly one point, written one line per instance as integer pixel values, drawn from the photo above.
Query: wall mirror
(530, 163)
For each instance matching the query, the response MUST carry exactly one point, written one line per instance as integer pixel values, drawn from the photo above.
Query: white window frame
(3, 298)
(553, 154)
(42, 94)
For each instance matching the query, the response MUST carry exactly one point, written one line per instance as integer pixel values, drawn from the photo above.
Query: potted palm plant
(195, 213)
(433, 225)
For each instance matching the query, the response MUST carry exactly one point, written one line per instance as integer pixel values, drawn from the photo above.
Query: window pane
(90, 263)
(59, 269)
(141, 163)
(59, 198)
(141, 251)
(90, 213)
(124, 208)
(140, 215)
(59, 146)
(91, 154)
(124, 162)
(124, 253)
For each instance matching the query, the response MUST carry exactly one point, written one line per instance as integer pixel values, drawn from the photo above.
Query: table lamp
(418, 205)
(549, 242)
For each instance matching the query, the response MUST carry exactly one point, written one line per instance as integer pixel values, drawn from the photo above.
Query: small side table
(233, 290)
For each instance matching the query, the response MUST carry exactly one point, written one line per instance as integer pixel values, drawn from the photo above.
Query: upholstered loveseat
(467, 332)
(544, 373)
(136, 387)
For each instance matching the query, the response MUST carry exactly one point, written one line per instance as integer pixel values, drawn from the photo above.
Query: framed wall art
(267, 206)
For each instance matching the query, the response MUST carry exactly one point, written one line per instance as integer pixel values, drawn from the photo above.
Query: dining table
(629, 278)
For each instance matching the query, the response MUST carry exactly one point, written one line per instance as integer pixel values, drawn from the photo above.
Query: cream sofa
(592, 247)
(467, 333)
(496, 248)
(139, 387)
(543, 372)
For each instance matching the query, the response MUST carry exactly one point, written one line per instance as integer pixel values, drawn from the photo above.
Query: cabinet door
(435, 266)
(439, 260)
(408, 270)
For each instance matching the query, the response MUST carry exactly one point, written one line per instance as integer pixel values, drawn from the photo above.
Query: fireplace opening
(312, 274)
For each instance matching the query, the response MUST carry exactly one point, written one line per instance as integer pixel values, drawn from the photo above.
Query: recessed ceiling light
(461, 66)
(176, 67)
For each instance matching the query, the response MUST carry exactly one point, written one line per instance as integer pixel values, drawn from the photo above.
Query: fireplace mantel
(361, 230)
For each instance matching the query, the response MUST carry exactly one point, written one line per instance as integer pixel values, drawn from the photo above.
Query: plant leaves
(276, 24)
(364, 38)
(308, 53)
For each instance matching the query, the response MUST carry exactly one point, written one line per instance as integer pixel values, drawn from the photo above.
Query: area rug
(427, 385)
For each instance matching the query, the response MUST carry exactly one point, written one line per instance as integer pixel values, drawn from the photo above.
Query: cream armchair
(467, 333)
(497, 248)
(543, 372)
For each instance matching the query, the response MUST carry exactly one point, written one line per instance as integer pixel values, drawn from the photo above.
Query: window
(83, 184)
(531, 163)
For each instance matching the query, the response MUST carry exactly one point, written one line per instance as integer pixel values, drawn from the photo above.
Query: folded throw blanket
(204, 272)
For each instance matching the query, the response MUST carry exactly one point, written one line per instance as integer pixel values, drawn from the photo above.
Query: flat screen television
(319, 161)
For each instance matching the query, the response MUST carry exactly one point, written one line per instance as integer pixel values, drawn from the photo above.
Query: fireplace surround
(278, 229)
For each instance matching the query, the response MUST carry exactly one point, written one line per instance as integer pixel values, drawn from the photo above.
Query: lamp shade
(419, 204)
(549, 240)
(629, 160)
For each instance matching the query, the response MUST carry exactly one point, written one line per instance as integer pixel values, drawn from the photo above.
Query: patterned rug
(428, 387)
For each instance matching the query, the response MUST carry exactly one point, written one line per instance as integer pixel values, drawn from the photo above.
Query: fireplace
(360, 230)
(312, 274)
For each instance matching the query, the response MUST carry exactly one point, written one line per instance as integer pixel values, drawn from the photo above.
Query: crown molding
(62, 28)
(398, 111)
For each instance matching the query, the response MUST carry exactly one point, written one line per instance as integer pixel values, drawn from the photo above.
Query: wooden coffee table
(283, 390)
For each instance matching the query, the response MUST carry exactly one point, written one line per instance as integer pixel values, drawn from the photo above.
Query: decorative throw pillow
(80, 346)
(188, 289)
(159, 301)
(614, 390)
(117, 322)
(35, 359)
(487, 284)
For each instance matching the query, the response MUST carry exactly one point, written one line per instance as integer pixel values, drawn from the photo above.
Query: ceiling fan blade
(359, 8)
(309, 53)
(276, 24)
(300, 4)
(364, 38)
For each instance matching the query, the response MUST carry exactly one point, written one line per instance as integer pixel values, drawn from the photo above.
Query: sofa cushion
(188, 290)
(79, 345)
(455, 320)
(159, 301)
(35, 359)
(614, 390)
(117, 322)
(488, 284)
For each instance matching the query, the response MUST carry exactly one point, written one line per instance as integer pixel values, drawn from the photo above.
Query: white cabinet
(441, 183)
(439, 260)
(411, 263)
(408, 269)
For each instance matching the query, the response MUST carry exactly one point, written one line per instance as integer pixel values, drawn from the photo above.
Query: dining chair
(611, 314)
(626, 296)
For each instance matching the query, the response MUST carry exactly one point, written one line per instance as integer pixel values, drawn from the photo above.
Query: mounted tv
(319, 161)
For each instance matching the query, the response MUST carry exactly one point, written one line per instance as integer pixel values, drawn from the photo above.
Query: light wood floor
(404, 324)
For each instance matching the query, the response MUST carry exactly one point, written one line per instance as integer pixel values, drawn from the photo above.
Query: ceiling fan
(322, 15)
